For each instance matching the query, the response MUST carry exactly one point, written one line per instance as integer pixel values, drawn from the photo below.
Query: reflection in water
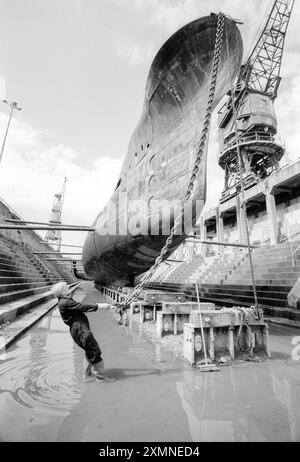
(37, 383)
(136, 332)
(161, 354)
(245, 403)
(43, 396)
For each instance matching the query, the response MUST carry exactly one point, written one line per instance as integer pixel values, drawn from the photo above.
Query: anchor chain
(206, 123)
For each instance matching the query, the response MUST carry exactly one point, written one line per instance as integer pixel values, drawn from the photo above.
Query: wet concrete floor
(154, 396)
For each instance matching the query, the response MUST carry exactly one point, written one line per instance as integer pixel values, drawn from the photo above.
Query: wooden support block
(141, 314)
(134, 308)
(175, 324)
(189, 344)
(159, 325)
(148, 312)
(231, 342)
(266, 340)
(250, 341)
(212, 344)
(170, 323)
(159, 297)
(176, 307)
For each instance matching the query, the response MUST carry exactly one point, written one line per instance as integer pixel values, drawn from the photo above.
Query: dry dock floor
(153, 394)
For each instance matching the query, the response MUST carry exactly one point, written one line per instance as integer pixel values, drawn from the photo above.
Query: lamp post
(13, 105)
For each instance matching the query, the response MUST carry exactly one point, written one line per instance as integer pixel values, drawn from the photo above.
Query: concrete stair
(273, 306)
(17, 316)
(23, 275)
(226, 280)
(14, 256)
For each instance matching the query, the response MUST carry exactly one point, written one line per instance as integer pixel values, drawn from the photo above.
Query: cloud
(31, 173)
(134, 53)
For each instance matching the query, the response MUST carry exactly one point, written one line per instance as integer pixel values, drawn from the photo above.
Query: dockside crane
(54, 237)
(253, 115)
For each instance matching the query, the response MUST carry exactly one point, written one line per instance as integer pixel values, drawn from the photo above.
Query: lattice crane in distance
(54, 237)
(253, 95)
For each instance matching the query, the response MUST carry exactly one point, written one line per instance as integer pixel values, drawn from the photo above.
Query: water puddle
(37, 383)
(43, 396)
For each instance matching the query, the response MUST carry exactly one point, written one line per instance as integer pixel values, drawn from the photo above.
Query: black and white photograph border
(149, 225)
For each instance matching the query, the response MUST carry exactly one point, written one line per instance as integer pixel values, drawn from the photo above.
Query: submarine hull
(132, 229)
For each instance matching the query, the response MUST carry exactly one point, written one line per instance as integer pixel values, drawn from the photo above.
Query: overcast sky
(78, 68)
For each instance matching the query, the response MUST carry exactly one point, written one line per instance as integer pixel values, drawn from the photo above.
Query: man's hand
(103, 306)
(121, 308)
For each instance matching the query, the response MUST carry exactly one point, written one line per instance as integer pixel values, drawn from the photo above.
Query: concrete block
(185, 307)
(148, 312)
(233, 340)
(159, 297)
(170, 323)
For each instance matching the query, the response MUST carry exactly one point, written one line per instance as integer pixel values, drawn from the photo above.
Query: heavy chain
(206, 123)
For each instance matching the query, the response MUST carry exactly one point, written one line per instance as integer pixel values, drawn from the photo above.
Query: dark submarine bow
(131, 230)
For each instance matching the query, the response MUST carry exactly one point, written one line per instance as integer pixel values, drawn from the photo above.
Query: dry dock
(153, 395)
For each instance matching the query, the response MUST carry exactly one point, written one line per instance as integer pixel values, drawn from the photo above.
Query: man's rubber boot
(98, 371)
(87, 374)
(88, 370)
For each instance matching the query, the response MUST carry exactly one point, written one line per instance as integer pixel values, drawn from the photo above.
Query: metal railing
(250, 138)
(289, 238)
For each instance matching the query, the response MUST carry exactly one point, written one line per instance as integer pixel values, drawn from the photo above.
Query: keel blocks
(229, 334)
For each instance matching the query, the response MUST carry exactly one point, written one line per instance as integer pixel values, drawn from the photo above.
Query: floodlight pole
(13, 105)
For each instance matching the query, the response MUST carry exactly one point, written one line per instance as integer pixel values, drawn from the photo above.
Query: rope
(202, 142)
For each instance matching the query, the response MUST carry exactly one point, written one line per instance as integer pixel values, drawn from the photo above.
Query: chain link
(206, 123)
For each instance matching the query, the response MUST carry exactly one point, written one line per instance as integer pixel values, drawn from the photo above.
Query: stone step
(269, 266)
(293, 277)
(21, 279)
(12, 296)
(24, 314)
(278, 295)
(278, 312)
(262, 282)
(282, 321)
(274, 311)
(10, 311)
(242, 299)
(9, 271)
(265, 270)
(16, 259)
(247, 287)
(15, 265)
(11, 261)
(5, 288)
(11, 276)
(275, 258)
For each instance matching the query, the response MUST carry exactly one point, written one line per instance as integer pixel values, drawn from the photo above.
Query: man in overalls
(73, 314)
